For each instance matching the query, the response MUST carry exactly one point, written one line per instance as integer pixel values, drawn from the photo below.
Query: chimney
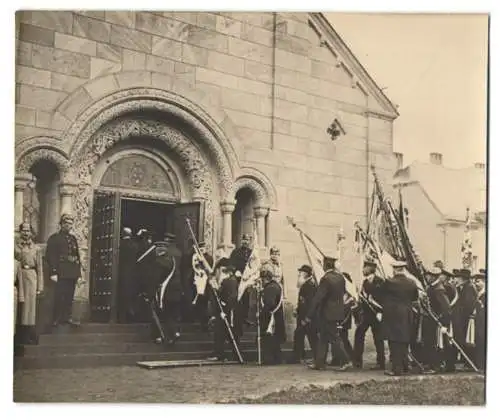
(399, 160)
(479, 165)
(436, 158)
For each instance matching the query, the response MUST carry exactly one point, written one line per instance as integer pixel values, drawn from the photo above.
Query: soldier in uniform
(370, 316)
(272, 321)
(399, 292)
(127, 276)
(434, 336)
(480, 321)
(225, 284)
(63, 259)
(307, 289)
(463, 310)
(30, 276)
(328, 304)
(239, 259)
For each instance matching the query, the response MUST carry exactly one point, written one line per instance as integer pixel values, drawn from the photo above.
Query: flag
(467, 242)
(252, 270)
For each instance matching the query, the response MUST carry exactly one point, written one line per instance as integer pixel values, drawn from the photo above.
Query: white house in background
(437, 199)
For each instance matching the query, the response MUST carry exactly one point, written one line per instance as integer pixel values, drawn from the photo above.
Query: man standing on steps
(63, 258)
(225, 284)
(370, 316)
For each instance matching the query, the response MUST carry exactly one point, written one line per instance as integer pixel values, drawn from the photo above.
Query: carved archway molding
(34, 149)
(259, 184)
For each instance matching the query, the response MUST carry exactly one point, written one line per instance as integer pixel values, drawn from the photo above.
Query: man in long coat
(307, 290)
(370, 316)
(272, 321)
(397, 317)
(480, 321)
(63, 259)
(328, 305)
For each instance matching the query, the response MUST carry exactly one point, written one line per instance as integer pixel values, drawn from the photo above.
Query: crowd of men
(422, 327)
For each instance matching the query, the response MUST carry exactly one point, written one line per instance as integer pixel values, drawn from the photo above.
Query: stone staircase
(94, 345)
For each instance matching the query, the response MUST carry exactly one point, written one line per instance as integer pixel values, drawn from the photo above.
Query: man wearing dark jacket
(370, 317)
(272, 321)
(63, 258)
(225, 284)
(434, 336)
(328, 304)
(307, 290)
(397, 317)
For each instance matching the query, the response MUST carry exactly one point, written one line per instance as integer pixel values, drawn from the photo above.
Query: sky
(434, 68)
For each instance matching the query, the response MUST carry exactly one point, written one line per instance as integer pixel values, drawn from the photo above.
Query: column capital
(67, 188)
(261, 211)
(227, 206)
(21, 181)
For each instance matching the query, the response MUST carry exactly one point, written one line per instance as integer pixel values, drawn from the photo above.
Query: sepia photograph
(250, 207)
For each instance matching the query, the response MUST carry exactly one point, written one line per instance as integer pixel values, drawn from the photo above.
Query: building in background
(437, 198)
(142, 119)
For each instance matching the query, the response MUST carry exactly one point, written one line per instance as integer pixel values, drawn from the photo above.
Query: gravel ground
(208, 384)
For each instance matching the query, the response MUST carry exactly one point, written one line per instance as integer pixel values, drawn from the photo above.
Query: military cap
(246, 236)
(274, 250)
(202, 244)
(399, 264)
(435, 271)
(66, 217)
(306, 269)
(481, 274)
(464, 273)
(482, 271)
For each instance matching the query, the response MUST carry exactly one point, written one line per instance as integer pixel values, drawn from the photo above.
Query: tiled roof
(451, 190)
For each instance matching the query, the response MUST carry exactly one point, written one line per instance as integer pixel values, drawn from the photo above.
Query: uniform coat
(228, 295)
(30, 278)
(272, 306)
(239, 258)
(328, 305)
(397, 320)
(480, 336)
(306, 295)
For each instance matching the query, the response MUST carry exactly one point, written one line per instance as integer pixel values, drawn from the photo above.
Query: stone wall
(270, 74)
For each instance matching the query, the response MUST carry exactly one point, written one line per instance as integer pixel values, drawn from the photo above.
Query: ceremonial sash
(470, 337)
(164, 285)
(272, 321)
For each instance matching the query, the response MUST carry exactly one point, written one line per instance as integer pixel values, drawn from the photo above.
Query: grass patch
(406, 391)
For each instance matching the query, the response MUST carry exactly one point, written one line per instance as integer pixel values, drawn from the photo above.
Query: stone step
(119, 359)
(123, 348)
(122, 328)
(108, 338)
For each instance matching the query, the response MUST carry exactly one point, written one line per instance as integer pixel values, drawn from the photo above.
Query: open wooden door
(194, 212)
(103, 261)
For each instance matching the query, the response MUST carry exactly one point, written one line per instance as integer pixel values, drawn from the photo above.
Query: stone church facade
(233, 120)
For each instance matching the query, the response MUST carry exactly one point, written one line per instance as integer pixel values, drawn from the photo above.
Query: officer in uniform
(272, 321)
(274, 265)
(328, 304)
(225, 285)
(30, 276)
(463, 310)
(63, 259)
(127, 276)
(239, 257)
(307, 289)
(434, 336)
(370, 316)
(399, 292)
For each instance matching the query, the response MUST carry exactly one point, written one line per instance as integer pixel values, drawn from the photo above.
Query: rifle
(216, 295)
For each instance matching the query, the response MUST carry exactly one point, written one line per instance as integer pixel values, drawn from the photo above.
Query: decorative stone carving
(138, 172)
(190, 158)
(227, 206)
(158, 101)
(26, 161)
(260, 212)
(261, 197)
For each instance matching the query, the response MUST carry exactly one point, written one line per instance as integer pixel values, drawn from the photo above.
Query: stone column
(227, 208)
(66, 191)
(20, 185)
(260, 217)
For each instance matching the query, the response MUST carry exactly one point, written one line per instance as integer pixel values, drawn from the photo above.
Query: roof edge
(321, 20)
